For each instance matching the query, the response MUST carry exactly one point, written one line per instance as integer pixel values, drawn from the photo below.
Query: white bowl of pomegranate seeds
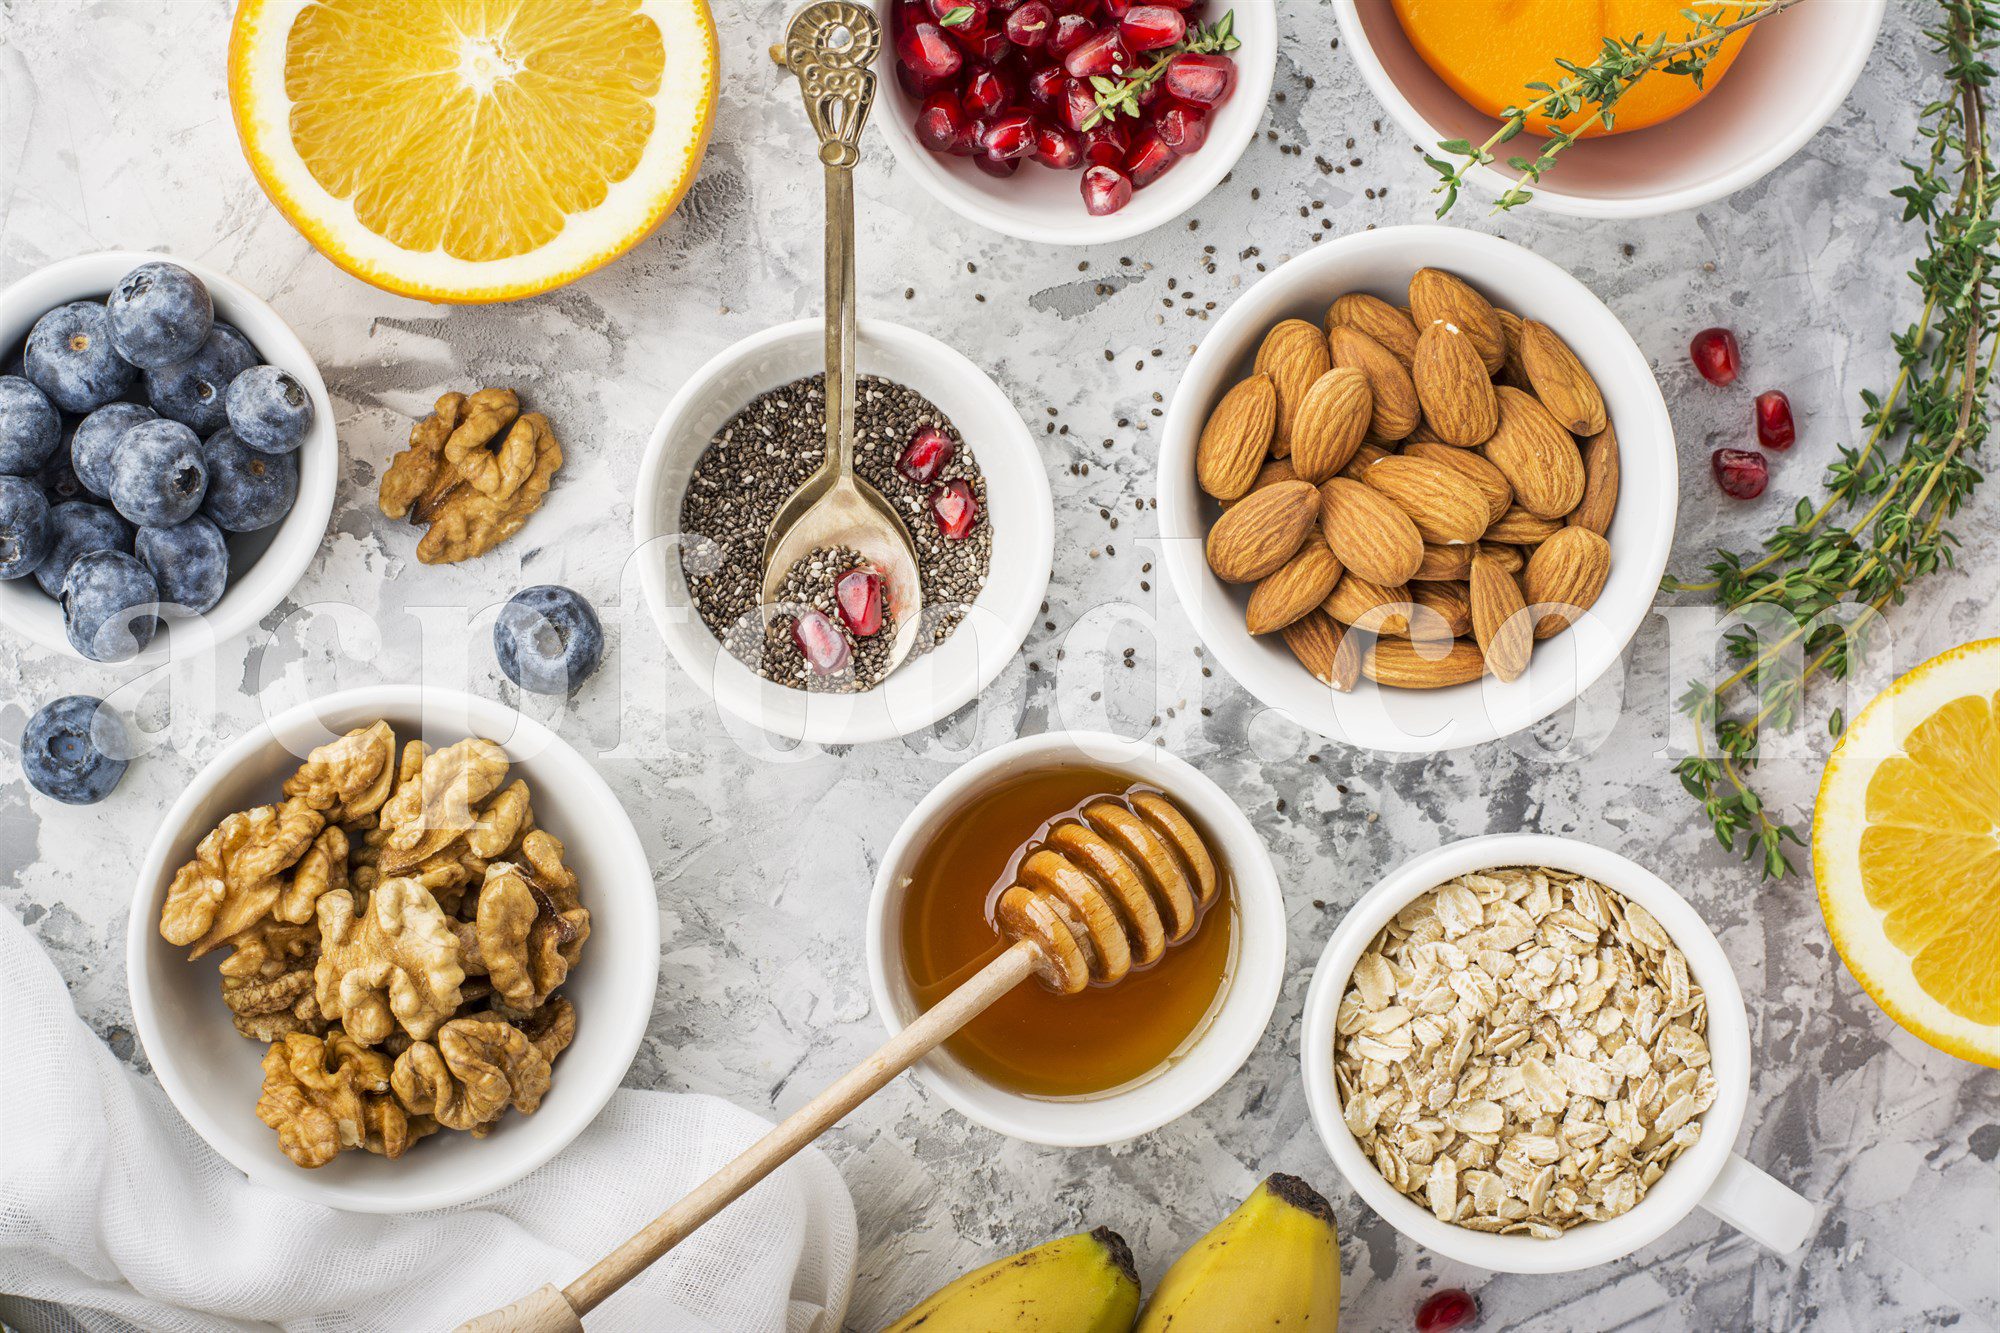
(985, 101)
(700, 528)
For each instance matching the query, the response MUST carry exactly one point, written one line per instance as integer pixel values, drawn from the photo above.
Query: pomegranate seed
(1183, 128)
(1151, 27)
(1716, 355)
(1102, 54)
(916, 85)
(1003, 167)
(1149, 159)
(1206, 80)
(929, 52)
(1079, 104)
(1740, 472)
(1070, 30)
(941, 124)
(973, 22)
(820, 641)
(1775, 428)
(1118, 9)
(1106, 144)
(926, 455)
(987, 94)
(955, 509)
(1010, 136)
(988, 47)
(859, 595)
(1447, 1311)
(1047, 85)
(1031, 24)
(1057, 148)
(1105, 190)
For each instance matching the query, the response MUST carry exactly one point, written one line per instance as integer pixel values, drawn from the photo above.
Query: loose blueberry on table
(548, 639)
(74, 750)
(1120, 91)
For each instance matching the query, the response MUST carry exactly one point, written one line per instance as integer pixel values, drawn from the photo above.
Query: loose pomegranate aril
(1058, 148)
(1149, 159)
(1716, 356)
(1070, 30)
(929, 52)
(926, 455)
(955, 509)
(1447, 1312)
(1205, 80)
(1775, 427)
(858, 593)
(1046, 85)
(1182, 128)
(1151, 27)
(820, 642)
(1106, 145)
(1105, 190)
(942, 123)
(1003, 167)
(1031, 24)
(1740, 473)
(973, 22)
(1102, 54)
(1010, 136)
(987, 94)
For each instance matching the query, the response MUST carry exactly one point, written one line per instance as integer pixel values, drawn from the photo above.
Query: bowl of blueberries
(167, 458)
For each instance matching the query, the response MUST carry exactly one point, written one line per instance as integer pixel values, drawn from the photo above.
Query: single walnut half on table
(475, 471)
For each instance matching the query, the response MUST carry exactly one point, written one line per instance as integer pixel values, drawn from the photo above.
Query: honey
(1033, 1040)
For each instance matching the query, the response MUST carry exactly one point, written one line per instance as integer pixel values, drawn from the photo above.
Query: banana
(1079, 1284)
(1272, 1265)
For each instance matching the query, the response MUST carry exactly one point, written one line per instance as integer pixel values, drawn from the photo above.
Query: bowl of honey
(1116, 1059)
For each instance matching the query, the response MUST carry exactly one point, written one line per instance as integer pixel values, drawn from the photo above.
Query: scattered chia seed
(763, 454)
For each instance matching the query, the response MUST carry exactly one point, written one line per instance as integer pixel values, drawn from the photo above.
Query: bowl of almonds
(1418, 489)
(1531, 1055)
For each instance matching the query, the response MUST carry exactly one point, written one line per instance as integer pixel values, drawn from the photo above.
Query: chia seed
(811, 583)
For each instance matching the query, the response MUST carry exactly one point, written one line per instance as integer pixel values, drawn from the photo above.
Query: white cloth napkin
(113, 1209)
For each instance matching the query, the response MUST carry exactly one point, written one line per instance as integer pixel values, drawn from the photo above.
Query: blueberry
(269, 410)
(548, 639)
(70, 358)
(247, 490)
(195, 392)
(108, 601)
(189, 561)
(25, 537)
(157, 474)
(160, 313)
(74, 750)
(30, 426)
(96, 439)
(76, 529)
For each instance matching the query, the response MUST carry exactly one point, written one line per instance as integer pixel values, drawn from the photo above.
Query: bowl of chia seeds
(742, 434)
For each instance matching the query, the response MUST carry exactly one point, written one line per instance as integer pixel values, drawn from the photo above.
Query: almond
(1367, 456)
(1331, 422)
(1512, 373)
(1453, 387)
(1396, 408)
(1518, 527)
(1274, 471)
(1325, 649)
(1560, 381)
(1437, 297)
(1299, 587)
(1489, 479)
(1369, 532)
(1600, 483)
(1385, 323)
(1444, 564)
(1237, 438)
(1294, 355)
(1565, 575)
(1259, 533)
(1441, 501)
(1450, 602)
(1370, 606)
(1499, 617)
(1509, 558)
(1536, 455)
(1408, 665)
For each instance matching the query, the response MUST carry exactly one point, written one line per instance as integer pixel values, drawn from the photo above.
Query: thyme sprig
(1806, 607)
(1122, 93)
(1596, 86)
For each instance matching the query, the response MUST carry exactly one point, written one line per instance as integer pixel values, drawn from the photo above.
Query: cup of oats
(1531, 1055)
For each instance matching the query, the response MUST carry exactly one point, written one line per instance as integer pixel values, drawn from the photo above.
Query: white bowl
(1037, 204)
(1792, 75)
(924, 689)
(1256, 966)
(263, 566)
(1641, 535)
(212, 1075)
(1708, 1174)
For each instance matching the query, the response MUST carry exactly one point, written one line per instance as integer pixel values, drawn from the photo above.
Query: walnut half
(475, 471)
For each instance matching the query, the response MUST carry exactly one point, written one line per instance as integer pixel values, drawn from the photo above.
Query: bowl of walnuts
(393, 950)
(1418, 488)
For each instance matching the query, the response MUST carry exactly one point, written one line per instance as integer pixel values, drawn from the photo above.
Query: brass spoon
(830, 46)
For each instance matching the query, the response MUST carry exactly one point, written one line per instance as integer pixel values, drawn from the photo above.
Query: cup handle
(1769, 1213)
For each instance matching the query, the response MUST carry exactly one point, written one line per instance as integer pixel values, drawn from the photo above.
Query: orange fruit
(1489, 51)
(1906, 849)
(473, 150)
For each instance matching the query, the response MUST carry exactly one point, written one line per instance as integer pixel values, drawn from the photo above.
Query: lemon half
(1906, 849)
(473, 150)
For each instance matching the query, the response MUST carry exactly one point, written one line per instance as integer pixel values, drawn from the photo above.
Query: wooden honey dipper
(1105, 890)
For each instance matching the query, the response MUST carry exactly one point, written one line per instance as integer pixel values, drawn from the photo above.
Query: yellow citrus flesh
(474, 150)
(1906, 849)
